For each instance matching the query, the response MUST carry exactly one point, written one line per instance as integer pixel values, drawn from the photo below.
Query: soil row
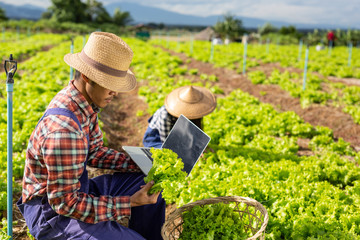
(123, 127)
(341, 123)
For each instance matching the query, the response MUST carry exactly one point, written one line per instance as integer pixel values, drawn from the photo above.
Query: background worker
(191, 101)
(331, 38)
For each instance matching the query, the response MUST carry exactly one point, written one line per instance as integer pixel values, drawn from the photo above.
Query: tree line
(73, 16)
(91, 11)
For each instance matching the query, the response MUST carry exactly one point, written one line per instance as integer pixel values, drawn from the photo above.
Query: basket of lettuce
(230, 217)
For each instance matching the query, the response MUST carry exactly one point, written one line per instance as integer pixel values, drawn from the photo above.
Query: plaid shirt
(163, 122)
(55, 159)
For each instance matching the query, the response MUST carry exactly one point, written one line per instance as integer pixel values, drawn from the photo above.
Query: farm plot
(340, 62)
(255, 149)
(322, 103)
(333, 62)
(256, 153)
(26, 47)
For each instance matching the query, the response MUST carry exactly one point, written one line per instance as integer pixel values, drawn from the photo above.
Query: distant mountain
(145, 14)
(26, 11)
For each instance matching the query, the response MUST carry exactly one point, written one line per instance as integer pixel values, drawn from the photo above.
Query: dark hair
(197, 122)
(77, 74)
(77, 77)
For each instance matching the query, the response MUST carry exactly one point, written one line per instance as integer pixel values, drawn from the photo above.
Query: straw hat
(191, 101)
(105, 60)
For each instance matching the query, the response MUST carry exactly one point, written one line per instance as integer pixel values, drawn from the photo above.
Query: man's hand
(142, 197)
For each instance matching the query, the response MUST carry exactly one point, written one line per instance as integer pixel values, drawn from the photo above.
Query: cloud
(203, 10)
(292, 11)
(39, 3)
(345, 12)
(200, 7)
(284, 12)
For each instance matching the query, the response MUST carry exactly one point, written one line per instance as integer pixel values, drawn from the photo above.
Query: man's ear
(85, 78)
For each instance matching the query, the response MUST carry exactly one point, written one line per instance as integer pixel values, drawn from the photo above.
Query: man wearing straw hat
(58, 200)
(192, 101)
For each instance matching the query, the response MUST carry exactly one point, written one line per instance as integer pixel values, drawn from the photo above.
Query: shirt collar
(81, 101)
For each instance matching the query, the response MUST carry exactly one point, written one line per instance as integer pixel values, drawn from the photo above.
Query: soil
(341, 123)
(122, 126)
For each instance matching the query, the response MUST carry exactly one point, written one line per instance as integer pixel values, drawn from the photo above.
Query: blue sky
(339, 12)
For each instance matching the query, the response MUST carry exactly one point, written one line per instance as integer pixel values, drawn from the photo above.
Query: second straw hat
(192, 101)
(105, 60)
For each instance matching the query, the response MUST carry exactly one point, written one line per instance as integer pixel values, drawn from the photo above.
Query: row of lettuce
(37, 81)
(254, 147)
(254, 154)
(8, 36)
(339, 61)
(317, 90)
(333, 62)
(25, 47)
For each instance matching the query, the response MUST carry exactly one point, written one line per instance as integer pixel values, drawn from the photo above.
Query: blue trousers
(145, 222)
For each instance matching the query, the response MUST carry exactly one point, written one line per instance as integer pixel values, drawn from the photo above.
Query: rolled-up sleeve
(64, 156)
(107, 158)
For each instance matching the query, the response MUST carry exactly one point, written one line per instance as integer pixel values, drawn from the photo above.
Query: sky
(339, 12)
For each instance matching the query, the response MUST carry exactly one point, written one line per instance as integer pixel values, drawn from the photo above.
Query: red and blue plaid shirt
(55, 160)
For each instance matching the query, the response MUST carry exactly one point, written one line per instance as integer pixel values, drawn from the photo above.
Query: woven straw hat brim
(176, 106)
(116, 84)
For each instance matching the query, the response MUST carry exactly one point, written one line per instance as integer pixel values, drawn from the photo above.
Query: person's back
(331, 36)
(331, 39)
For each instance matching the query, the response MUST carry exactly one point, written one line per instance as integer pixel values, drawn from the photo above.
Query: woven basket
(251, 212)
